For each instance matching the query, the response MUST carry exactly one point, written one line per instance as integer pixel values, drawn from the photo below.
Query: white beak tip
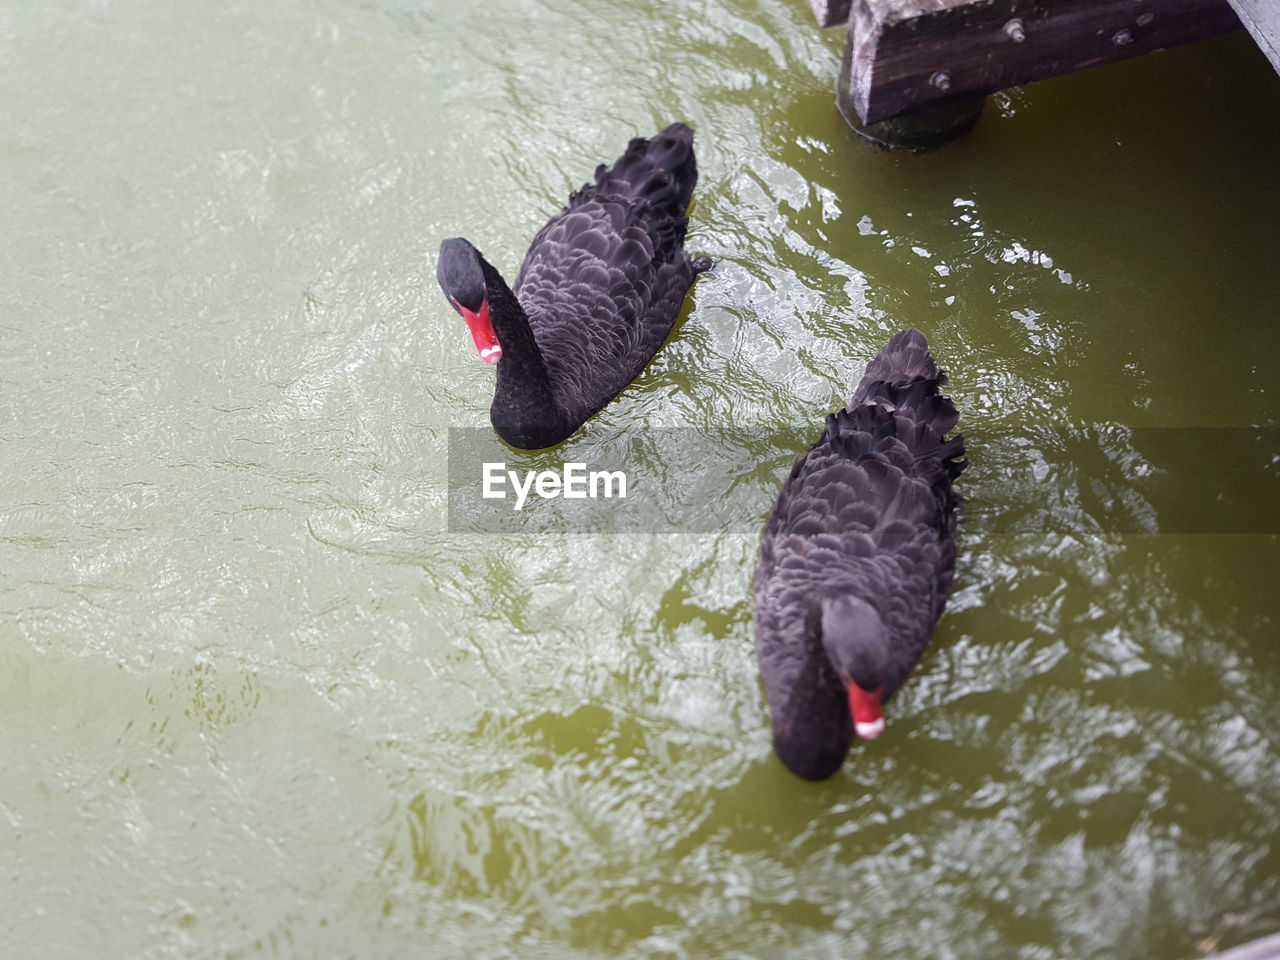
(869, 730)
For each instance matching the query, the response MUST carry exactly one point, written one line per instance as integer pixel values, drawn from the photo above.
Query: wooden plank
(1268, 948)
(1262, 19)
(910, 54)
(831, 13)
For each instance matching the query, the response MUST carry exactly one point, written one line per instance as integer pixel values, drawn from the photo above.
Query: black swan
(857, 559)
(599, 291)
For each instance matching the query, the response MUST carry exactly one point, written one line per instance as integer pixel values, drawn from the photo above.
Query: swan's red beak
(482, 332)
(868, 717)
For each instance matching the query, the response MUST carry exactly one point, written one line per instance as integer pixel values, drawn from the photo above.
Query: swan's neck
(817, 670)
(524, 411)
(815, 675)
(811, 726)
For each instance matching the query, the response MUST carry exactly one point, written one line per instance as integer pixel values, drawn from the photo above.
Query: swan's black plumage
(858, 556)
(598, 293)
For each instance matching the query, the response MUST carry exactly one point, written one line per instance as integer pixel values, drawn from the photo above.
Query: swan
(857, 559)
(596, 296)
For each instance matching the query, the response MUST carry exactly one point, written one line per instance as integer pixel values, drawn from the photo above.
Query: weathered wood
(1262, 19)
(918, 130)
(1268, 948)
(831, 13)
(911, 54)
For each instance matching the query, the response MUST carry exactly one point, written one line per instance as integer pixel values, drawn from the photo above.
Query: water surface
(256, 700)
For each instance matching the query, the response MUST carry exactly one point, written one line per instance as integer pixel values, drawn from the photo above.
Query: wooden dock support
(917, 130)
(1262, 19)
(904, 56)
(1268, 948)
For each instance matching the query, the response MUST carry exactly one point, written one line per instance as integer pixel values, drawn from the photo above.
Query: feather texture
(867, 513)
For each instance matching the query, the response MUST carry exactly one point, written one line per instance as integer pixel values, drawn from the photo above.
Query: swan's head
(462, 280)
(857, 644)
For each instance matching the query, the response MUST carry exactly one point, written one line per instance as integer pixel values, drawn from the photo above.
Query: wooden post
(1268, 948)
(831, 13)
(1260, 17)
(918, 130)
(907, 55)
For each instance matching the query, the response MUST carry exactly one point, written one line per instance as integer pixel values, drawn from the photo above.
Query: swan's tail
(904, 358)
(661, 170)
(900, 395)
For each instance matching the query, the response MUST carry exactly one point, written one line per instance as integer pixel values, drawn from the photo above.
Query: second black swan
(596, 296)
(857, 559)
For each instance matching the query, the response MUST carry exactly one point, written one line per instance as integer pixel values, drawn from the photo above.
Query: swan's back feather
(603, 281)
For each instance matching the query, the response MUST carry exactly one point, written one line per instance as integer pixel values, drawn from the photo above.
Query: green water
(257, 701)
